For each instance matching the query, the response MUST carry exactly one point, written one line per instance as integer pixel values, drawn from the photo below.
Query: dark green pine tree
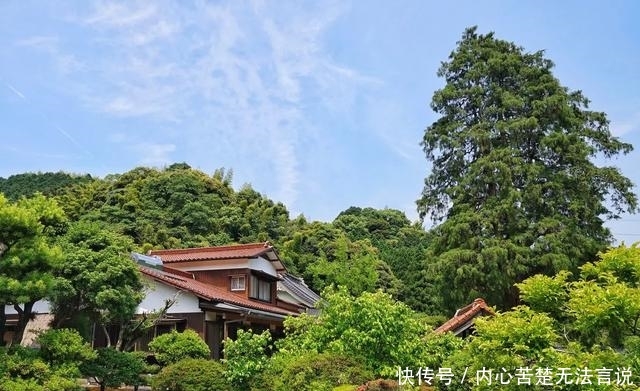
(512, 182)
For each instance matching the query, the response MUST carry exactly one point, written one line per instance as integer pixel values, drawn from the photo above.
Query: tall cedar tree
(512, 181)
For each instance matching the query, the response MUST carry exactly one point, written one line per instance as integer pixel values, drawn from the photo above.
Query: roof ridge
(187, 250)
(465, 314)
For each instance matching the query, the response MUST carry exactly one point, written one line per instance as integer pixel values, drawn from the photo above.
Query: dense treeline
(48, 183)
(364, 249)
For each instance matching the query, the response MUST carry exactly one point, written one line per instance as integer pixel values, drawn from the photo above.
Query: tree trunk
(24, 315)
(106, 335)
(120, 341)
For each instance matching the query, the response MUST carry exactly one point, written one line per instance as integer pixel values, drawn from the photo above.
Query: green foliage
(97, 279)
(381, 385)
(375, 329)
(364, 249)
(325, 256)
(177, 207)
(192, 374)
(22, 369)
(512, 173)
(27, 258)
(64, 348)
(311, 372)
(587, 323)
(602, 307)
(111, 368)
(25, 363)
(245, 357)
(174, 346)
(545, 294)
(437, 348)
(48, 183)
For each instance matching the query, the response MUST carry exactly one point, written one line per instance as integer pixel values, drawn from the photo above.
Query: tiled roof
(236, 251)
(464, 315)
(206, 253)
(298, 288)
(209, 292)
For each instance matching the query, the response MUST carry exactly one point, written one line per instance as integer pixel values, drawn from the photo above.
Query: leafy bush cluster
(174, 346)
(52, 368)
(192, 374)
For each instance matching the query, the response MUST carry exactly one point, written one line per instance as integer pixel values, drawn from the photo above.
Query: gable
(156, 293)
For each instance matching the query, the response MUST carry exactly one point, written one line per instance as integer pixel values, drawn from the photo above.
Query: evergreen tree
(513, 182)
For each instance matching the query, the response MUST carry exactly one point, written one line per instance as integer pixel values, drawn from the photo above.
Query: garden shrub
(380, 331)
(174, 346)
(246, 357)
(20, 385)
(311, 372)
(192, 374)
(25, 363)
(64, 348)
(111, 368)
(22, 369)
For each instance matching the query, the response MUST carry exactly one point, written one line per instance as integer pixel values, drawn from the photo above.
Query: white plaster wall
(40, 307)
(264, 265)
(157, 292)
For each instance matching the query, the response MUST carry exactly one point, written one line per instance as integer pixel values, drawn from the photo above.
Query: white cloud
(120, 14)
(66, 63)
(46, 42)
(230, 77)
(621, 128)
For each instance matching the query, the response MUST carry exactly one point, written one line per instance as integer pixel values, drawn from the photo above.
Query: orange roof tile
(465, 314)
(208, 253)
(207, 291)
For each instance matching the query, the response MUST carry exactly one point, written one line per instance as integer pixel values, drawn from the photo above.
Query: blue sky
(320, 105)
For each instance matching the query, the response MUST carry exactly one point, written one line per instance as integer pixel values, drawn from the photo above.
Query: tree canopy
(27, 256)
(47, 183)
(512, 181)
(97, 280)
(587, 326)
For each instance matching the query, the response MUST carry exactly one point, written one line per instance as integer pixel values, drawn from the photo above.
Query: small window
(237, 283)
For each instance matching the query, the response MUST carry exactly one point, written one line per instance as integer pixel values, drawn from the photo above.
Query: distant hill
(47, 183)
(363, 249)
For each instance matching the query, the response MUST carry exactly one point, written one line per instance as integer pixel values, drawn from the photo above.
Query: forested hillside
(363, 249)
(48, 183)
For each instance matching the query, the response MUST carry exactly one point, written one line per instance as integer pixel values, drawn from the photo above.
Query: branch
(148, 321)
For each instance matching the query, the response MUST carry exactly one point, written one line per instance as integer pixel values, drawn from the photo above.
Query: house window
(260, 289)
(237, 283)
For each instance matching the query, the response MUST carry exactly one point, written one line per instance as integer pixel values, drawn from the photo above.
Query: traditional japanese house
(219, 290)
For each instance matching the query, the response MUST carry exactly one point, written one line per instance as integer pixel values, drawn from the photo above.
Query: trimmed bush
(192, 375)
(311, 372)
(111, 368)
(22, 369)
(64, 347)
(174, 346)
